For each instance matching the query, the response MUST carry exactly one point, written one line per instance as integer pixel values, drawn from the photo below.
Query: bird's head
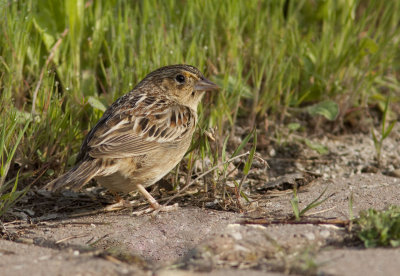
(183, 83)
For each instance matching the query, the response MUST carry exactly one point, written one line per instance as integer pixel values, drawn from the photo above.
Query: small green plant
(384, 133)
(295, 204)
(380, 228)
(249, 162)
(328, 109)
(247, 166)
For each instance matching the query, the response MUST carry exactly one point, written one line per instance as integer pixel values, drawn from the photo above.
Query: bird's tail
(76, 177)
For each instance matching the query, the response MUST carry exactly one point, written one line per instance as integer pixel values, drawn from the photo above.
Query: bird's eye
(180, 78)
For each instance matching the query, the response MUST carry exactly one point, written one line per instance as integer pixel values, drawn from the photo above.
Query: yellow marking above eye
(190, 75)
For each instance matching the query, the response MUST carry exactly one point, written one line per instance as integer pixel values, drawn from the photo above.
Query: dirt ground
(203, 241)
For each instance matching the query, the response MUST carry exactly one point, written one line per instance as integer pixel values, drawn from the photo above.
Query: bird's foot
(121, 204)
(155, 206)
(155, 209)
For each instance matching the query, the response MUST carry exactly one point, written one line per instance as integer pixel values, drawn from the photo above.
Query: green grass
(61, 60)
(384, 133)
(380, 228)
(10, 138)
(299, 213)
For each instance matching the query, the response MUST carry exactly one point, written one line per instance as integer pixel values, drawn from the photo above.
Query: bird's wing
(145, 127)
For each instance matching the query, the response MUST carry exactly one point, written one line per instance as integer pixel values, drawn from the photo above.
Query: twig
(237, 194)
(97, 241)
(57, 224)
(337, 222)
(48, 60)
(71, 237)
(299, 160)
(44, 169)
(321, 211)
(205, 173)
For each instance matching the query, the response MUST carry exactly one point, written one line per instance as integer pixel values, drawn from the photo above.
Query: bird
(142, 136)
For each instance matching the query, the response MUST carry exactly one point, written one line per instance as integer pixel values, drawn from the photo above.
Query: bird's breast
(145, 170)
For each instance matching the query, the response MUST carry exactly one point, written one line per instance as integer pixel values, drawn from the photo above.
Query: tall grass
(59, 57)
(10, 138)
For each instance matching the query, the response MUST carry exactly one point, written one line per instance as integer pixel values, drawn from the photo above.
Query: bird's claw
(154, 211)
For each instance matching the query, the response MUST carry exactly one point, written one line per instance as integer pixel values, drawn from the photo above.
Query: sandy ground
(197, 241)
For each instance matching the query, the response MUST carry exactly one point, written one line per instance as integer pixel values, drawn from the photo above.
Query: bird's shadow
(41, 205)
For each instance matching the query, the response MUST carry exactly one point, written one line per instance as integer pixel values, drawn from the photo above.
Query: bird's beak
(205, 85)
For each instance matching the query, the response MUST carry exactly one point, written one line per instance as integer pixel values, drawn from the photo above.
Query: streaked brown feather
(77, 177)
(133, 134)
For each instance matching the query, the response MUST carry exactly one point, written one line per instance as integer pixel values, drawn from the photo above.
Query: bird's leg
(155, 206)
(149, 197)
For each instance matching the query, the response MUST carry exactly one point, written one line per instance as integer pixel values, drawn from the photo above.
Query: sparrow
(143, 135)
